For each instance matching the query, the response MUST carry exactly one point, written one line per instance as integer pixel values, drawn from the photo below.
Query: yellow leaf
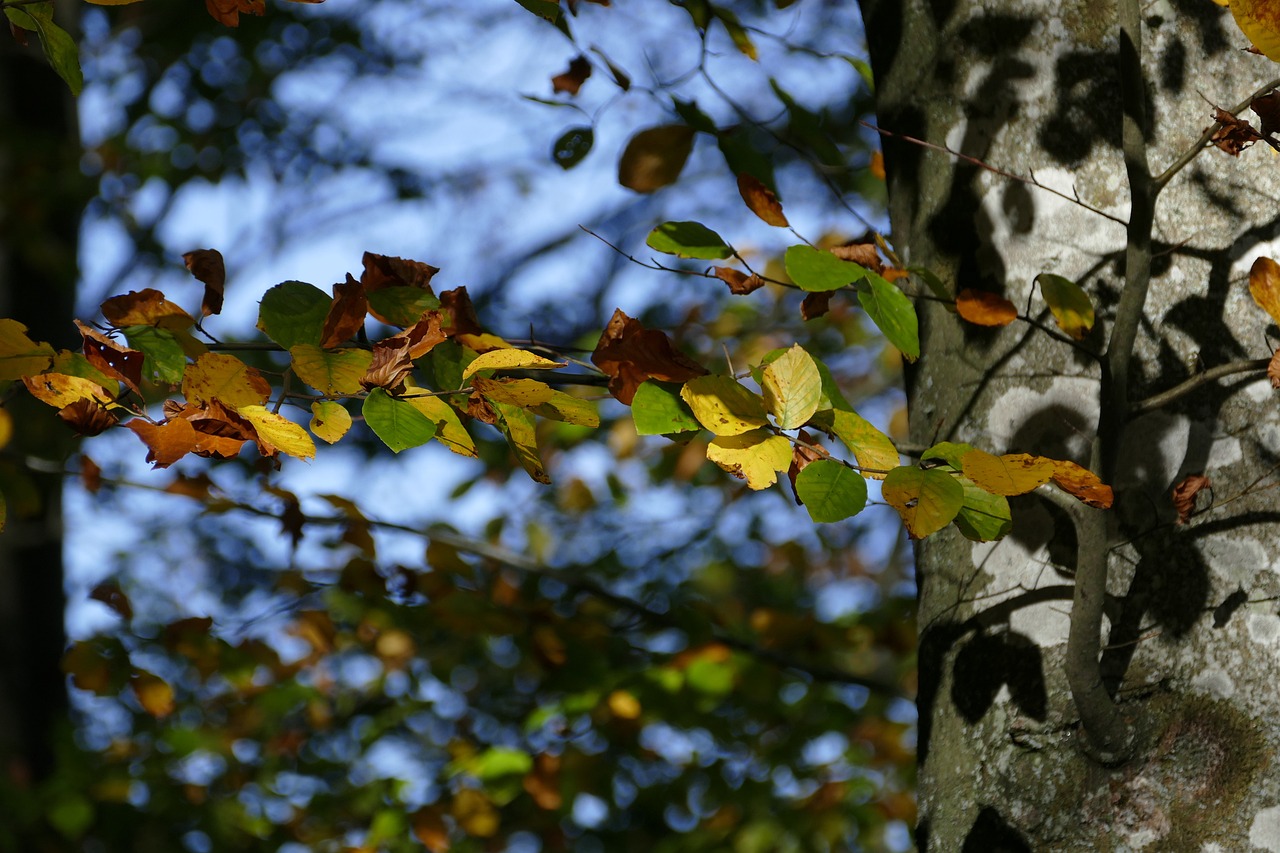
(6, 428)
(873, 449)
(59, 390)
(1082, 484)
(276, 433)
(755, 456)
(1264, 286)
(723, 405)
(216, 376)
(510, 359)
(568, 409)
(19, 355)
(1260, 21)
(1012, 474)
(330, 371)
(475, 814)
(624, 705)
(525, 393)
(330, 420)
(155, 695)
(449, 429)
(927, 500)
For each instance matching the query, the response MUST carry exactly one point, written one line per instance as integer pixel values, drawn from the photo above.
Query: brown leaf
(655, 157)
(803, 452)
(207, 267)
(571, 81)
(761, 200)
(382, 271)
(346, 315)
(862, 254)
(478, 407)
(1234, 135)
(228, 12)
(740, 284)
(815, 304)
(458, 315)
(629, 354)
(393, 357)
(110, 594)
(145, 307)
(87, 417)
(169, 441)
(116, 361)
(1082, 484)
(1184, 495)
(985, 309)
(90, 474)
(1273, 369)
(543, 782)
(1267, 108)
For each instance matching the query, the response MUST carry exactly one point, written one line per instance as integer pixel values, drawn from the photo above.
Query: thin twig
(1200, 144)
(1164, 398)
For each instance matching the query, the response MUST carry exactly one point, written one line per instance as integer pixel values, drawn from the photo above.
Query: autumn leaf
(458, 315)
(1259, 20)
(655, 157)
(330, 371)
(518, 427)
(927, 500)
(218, 376)
(1071, 306)
(398, 290)
(449, 429)
(1184, 495)
(112, 359)
(1082, 484)
(571, 80)
(814, 305)
(1273, 369)
(761, 200)
(1264, 286)
(723, 405)
(792, 387)
(628, 354)
(87, 417)
(346, 316)
(1267, 108)
(983, 308)
(509, 359)
(475, 813)
(542, 784)
(145, 307)
(169, 441)
(740, 284)
(277, 434)
(330, 420)
(59, 390)
(154, 694)
(864, 255)
(1233, 134)
(228, 12)
(756, 456)
(206, 264)
(19, 355)
(1012, 474)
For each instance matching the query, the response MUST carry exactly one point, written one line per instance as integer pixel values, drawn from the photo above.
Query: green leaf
(517, 425)
(927, 500)
(891, 311)
(331, 371)
(873, 449)
(572, 146)
(449, 429)
(737, 32)
(59, 46)
(398, 423)
(658, 410)
(689, 240)
(1071, 306)
(402, 306)
(792, 388)
(983, 517)
(693, 116)
(935, 285)
(448, 360)
(163, 358)
(831, 491)
(496, 762)
(816, 271)
(950, 452)
(655, 157)
(741, 156)
(544, 9)
(710, 676)
(293, 313)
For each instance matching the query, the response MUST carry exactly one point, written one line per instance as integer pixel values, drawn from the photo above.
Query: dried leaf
(655, 157)
(110, 594)
(862, 254)
(761, 200)
(228, 12)
(985, 309)
(90, 475)
(629, 354)
(218, 376)
(1267, 108)
(115, 361)
(458, 315)
(740, 284)
(383, 271)
(1184, 495)
(1234, 135)
(1273, 369)
(87, 417)
(803, 452)
(206, 264)
(1082, 484)
(346, 317)
(145, 307)
(571, 80)
(815, 305)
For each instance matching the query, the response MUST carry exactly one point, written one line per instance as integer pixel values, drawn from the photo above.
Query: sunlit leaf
(761, 200)
(19, 355)
(1011, 474)
(59, 390)
(398, 423)
(756, 456)
(218, 376)
(509, 359)
(1264, 286)
(330, 420)
(816, 270)
(723, 405)
(983, 517)
(792, 388)
(658, 409)
(983, 308)
(278, 433)
(831, 491)
(59, 47)
(689, 240)
(926, 500)
(1071, 306)
(1082, 484)
(892, 312)
(330, 371)
(155, 695)
(474, 812)
(875, 451)
(518, 427)
(449, 429)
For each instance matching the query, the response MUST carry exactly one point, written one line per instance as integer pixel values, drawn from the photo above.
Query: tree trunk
(1172, 753)
(42, 195)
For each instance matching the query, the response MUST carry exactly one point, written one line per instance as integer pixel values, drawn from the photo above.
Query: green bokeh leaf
(572, 146)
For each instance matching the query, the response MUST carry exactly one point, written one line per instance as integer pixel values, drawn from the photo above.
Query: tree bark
(42, 195)
(1084, 98)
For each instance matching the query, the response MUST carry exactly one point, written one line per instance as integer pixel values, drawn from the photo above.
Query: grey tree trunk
(1190, 634)
(42, 196)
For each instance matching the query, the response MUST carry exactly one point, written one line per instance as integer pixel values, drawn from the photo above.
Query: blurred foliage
(642, 656)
